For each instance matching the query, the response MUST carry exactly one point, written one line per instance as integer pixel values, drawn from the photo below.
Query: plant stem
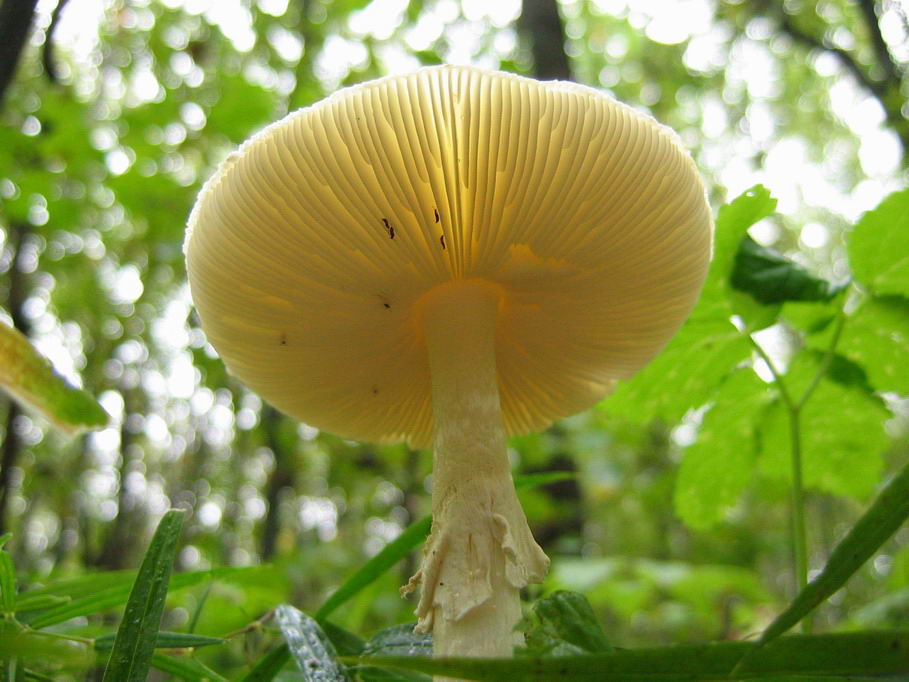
(799, 532)
(480, 552)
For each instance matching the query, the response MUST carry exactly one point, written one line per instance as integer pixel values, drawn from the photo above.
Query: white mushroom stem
(480, 552)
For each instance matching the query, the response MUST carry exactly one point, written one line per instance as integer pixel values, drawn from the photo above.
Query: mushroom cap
(309, 249)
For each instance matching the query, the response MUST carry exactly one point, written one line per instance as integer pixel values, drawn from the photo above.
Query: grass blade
(7, 584)
(267, 667)
(373, 569)
(840, 657)
(185, 668)
(882, 519)
(132, 652)
(115, 593)
(406, 542)
(165, 640)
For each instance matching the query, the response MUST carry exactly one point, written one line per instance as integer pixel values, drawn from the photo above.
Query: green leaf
(28, 647)
(7, 584)
(102, 591)
(311, 649)
(708, 346)
(882, 519)
(772, 278)
(876, 336)
(685, 375)
(405, 543)
(373, 569)
(846, 656)
(40, 602)
(27, 376)
(132, 651)
(878, 247)
(267, 667)
(345, 642)
(570, 618)
(843, 434)
(716, 468)
(183, 668)
(732, 224)
(399, 640)
(164, 640)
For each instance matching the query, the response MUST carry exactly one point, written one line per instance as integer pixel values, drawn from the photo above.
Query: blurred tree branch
(47, 56)
(16, 18)
(886, 89)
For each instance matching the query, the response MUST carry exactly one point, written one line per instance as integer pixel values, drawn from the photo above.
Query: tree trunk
(541, 26)
(15, 26)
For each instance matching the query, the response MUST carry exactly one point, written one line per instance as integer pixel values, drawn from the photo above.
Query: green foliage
(310, 648)
(772, 278)
(723, 457)
(567, 625)
(391, 554)
(31, 379)
(878, 247)
(672, 515)
(848, 656)
(137, 637)
(888, 512)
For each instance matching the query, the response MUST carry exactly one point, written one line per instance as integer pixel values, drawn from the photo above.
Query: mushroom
(447, 258)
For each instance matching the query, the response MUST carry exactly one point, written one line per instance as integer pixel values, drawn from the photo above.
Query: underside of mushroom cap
(312, 248)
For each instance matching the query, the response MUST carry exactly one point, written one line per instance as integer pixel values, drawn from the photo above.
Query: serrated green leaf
(732, 224)
(842, 657)
(876, 336)
(27, 376)
(310, 647)
(771, 278)
(164, 640)
(716, 468)
(878, 247)
(882, 519)
(811, 317)
(684, 375)
(569, 616)
(843, 434)
(132, 651)
(183, 668)
(708, 346)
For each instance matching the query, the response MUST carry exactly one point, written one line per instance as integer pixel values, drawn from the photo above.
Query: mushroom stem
(480, 552)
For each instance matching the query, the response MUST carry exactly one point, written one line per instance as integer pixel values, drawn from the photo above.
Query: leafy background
(676, 520)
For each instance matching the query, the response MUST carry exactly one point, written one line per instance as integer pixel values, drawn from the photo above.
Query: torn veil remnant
(575, 237)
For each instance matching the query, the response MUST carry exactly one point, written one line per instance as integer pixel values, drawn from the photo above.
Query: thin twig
(47, 55)
(893, 71)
